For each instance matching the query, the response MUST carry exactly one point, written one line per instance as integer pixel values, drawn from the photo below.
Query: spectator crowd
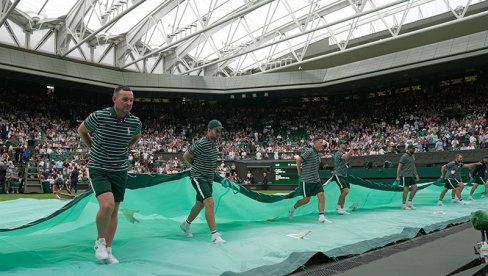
(451, 117)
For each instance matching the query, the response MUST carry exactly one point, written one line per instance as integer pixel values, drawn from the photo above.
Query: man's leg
(209, 213)
(210, 217)
(321, 198)
(103, 221)
(405, 194)
(104, 215)
(109, 236)
(473, 189)
(197, 208)
(460, 189)
(112, 226)
(301, 202)
(412, 195)
(342, 197)
(443, 193)
(413, 192)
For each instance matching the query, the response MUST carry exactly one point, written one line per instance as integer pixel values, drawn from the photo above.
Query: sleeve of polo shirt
(338, 156)
(403, 160)
(91, 122)
(139, 127)
(305, 154)
(195, 149)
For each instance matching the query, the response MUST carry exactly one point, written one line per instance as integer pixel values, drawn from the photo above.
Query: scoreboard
(285, 172)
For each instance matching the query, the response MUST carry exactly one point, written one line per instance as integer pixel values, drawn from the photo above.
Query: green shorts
(452, 183)
(103, 181)
(406, 181)
(203, 187)
(311, 188)
(342, 182)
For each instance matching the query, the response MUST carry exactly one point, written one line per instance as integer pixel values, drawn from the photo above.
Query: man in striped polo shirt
(451, 173)
(407, 176)
(202, 155)
(109, 133)
(339, 175)
(309, 180)
(479, 176)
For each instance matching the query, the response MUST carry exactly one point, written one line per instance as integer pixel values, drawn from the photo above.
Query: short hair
(121, 87)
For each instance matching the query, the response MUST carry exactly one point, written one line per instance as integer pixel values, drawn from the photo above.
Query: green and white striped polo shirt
(310, 165)
(408, 162)
(340, 165)
(111, 136)
(453, 170)
(204, 152)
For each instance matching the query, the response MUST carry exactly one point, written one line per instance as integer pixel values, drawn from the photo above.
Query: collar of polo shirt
(114, 114)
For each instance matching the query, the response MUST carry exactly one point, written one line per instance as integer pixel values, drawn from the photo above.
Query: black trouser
(74, 186)
(2, 184)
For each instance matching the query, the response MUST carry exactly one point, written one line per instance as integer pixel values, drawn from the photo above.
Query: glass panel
(132, 18)
(109, 58)
(18, 32)
(5, 36)
(52, 9)
(231, 38)
(48, 46)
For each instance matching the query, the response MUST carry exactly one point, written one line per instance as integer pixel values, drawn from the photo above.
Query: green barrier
(46, 187)
(390, 173)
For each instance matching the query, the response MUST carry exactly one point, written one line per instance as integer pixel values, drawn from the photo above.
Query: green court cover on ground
(52, 237)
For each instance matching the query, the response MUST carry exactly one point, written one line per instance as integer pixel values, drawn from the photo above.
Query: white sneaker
(185, 227)
(111, 259)
(323, 219)
(291, 212)
(462, 202)
(101, 249)
(217, 238)
(342, 212)
(406, 207)
(439, 203)
(470, 198)
(410, 205)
